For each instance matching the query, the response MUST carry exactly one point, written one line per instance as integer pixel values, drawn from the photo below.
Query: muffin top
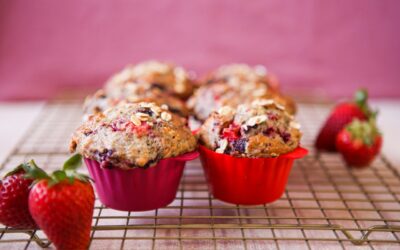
(242, 71)
(132, 135)
(100, 100)
(211, 97)
(163, 76)
(260, 129)
(238, 73)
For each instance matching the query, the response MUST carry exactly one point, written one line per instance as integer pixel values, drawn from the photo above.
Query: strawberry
(359, 142)
(231, 133)
(62, 205)
(14, 193)
(341, 115)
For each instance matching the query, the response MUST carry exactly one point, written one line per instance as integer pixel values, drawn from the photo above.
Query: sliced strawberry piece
(231, 133)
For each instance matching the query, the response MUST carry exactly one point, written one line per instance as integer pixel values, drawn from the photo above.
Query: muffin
(211, 97)
(247, 153)
(132, 135)
(165, 77)
(100, 101)
(243, 73)
(262, 129)
(136, 153)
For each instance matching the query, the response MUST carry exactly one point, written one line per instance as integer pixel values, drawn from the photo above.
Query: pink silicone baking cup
(139, 189)
(247, 181)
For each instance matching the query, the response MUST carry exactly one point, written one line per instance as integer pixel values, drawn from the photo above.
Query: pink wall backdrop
(47, 46)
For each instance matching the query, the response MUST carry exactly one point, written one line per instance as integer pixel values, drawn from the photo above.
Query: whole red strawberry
(341, 115)
(62, 205)
(359, 142)
(14, 193)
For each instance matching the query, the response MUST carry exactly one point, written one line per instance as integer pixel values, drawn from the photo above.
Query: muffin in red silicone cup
(136, 153)
(247, 153)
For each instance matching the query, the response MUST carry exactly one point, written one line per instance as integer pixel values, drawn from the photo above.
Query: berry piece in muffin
(211, 97)
(132, 135)
(165, 77)
(260, 129)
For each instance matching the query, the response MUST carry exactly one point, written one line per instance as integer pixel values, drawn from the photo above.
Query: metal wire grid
(325, 203)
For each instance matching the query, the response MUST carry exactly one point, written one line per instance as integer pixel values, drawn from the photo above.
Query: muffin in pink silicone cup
(247, 153)
(135, 152)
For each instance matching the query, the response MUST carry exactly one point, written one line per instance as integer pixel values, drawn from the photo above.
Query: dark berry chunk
(104, 155)
(88, 132)
(285, 136)
(157, 86)
(272, 116)
(176, 111)
(145, 110)
(240, 145)
(269, 132)
(151, 162)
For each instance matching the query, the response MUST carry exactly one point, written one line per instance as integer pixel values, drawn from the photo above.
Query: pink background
(47, 47)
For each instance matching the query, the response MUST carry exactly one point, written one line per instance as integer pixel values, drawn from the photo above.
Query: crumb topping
(165, 77)
(211, 97)
(259, 129)
(101, 101)
(132, 135)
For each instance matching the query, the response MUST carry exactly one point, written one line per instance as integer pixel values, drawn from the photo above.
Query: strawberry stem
(33, 171)
(361, 99)
(68, 172)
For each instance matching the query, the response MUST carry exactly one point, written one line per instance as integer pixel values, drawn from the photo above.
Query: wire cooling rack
(326, 204)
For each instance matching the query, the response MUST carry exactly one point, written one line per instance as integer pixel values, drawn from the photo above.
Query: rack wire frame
(325, 201)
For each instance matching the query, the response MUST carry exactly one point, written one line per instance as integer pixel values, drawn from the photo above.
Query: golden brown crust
(165, 77)
(101, 101)
(211, 97)
(235, 84)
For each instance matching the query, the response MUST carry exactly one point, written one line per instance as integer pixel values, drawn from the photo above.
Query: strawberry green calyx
(68, 172)
(20, 168)
(33, 171)
(361, 99)
(366, 131)
(73, 163)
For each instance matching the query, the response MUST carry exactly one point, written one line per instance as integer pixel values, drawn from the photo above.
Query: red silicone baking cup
(247, 181)
(139, 189)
